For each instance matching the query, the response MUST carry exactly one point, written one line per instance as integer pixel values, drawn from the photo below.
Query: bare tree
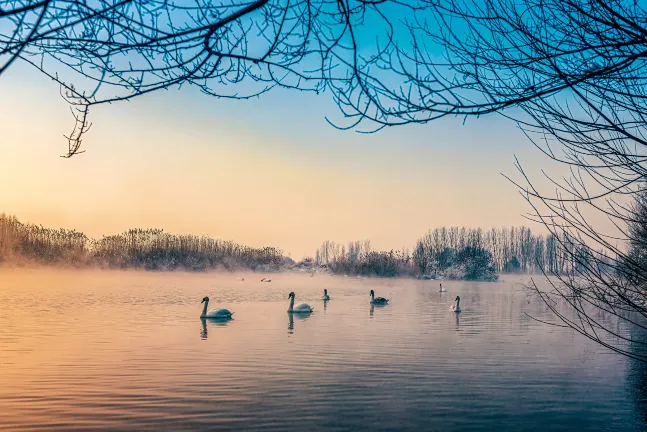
(572, 74)
(106, 51)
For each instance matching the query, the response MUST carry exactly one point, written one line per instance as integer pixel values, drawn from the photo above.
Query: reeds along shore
(151, 249)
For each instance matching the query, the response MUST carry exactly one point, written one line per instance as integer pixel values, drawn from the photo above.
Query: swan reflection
(300, 317)
(204, 332)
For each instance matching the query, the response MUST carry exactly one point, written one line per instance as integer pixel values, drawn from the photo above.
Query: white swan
(456, 307)
(214, 313)
(325, 295)
(302, 308)
(442, 289)
(379, 300)
(266, 280)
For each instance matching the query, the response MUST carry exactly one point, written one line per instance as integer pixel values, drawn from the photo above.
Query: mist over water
(108, 350)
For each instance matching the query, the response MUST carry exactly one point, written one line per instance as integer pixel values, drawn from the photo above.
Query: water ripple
(127, 351)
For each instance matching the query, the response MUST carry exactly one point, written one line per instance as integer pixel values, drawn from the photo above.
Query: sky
(267, 171)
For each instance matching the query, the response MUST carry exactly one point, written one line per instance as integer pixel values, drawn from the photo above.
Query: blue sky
(263, 171)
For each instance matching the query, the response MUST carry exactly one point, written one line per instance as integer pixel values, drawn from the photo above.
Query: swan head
(206, 299)
(325, 292)
(457, 298)
(291, 295)
(372, 293)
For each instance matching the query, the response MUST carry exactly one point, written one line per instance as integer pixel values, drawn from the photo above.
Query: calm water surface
(128, 351)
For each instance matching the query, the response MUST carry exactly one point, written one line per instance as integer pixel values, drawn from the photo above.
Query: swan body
(378, 300)
(442, 289)
(456, 307)
(266, 280)
(325, 295)
(302, 308)
(217, 313)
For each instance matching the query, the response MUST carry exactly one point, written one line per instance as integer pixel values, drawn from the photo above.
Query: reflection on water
(204, 332)
(99, 357)
(637, 379)
(299, 317)
(213, 322)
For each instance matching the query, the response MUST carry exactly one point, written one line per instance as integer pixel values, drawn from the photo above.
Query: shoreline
(318, 272)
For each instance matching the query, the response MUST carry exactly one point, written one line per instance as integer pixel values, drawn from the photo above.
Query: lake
(109, 350)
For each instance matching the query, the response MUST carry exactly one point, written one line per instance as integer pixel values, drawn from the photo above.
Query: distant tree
(512, 266)
(478, 263)
(446, 258)
(421, 258)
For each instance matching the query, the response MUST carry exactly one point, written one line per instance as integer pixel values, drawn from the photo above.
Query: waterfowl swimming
(456, 307)
(302, 308)
(266, 280)
(378, 300)
(325, 295)
(214, 313)
(442, 289)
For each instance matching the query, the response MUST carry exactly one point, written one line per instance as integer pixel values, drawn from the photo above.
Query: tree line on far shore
(459, 253)
(151, 249)
(452, 253)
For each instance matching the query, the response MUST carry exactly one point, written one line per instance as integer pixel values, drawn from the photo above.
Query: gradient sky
(269, 171)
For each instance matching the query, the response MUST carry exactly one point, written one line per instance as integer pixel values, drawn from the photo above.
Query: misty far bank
(444, 253)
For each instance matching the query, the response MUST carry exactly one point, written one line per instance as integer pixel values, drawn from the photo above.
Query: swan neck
(372, 296)
(204, 311)
(458, 304)
(291, 303)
